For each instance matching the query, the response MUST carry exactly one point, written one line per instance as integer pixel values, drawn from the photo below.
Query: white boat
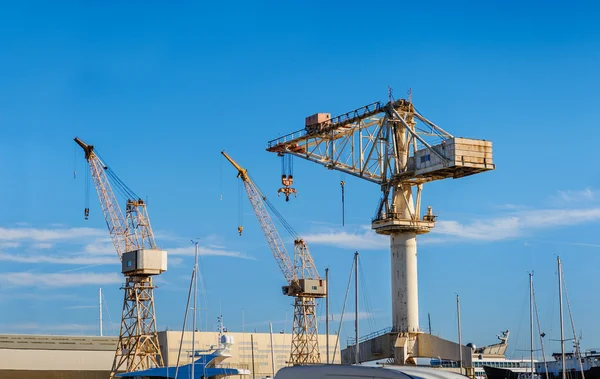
(206, 364)
(490, 357)
(364, 372)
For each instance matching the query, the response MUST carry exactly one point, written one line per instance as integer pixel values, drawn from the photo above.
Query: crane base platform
(391, 225)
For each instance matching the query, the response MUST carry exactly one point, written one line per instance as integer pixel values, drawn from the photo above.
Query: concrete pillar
(405, 293)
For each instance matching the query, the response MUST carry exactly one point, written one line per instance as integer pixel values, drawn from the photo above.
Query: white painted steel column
(405, 292)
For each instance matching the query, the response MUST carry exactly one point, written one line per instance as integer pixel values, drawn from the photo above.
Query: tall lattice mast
(304, 282)
(138, 347)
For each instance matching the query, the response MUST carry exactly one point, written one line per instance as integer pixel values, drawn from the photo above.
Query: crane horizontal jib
(388, 143)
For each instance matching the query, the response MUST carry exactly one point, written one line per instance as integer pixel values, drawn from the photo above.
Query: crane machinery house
(144, 262)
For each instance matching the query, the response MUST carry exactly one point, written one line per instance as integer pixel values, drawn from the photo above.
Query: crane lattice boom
(273, 238)
(303, 266)
(139, 226)
(115, 221)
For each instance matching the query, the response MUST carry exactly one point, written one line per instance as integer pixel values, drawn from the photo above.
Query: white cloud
(573, 196)
(364, 239)
(82, 307)
(49, 280)
(9, 245)
(71, 260)
(516, 224)
(85, 247)
(44, 235)
(206, 251)
(507, 225)
(42, 245)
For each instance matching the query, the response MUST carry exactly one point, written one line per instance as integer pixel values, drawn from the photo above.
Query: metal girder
(363, 142)
(138, 347)
(305, 339)
(271, 234)
(115, 221)
(304, 266)
(138, 225)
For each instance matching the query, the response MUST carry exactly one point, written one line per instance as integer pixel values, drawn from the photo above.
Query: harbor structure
(141, 259)
(25, 356)
(304, 283)
(395, 146)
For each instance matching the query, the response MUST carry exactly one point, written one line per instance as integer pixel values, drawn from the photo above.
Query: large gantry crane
(303, 281)
(393, 145)
(138, 347)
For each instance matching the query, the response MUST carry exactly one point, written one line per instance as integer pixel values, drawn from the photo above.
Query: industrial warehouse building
(25, 356)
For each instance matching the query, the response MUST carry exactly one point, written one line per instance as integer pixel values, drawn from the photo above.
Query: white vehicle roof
(356, 372)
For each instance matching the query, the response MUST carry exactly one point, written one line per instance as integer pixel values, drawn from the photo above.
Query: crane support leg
(305, 343)
(138, 347)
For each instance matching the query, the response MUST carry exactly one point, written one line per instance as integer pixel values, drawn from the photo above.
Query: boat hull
(54, 374)
(502, 373)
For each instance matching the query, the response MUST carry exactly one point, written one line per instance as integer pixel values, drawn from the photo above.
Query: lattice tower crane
(393, 145)
(304, 282)
(138, 347)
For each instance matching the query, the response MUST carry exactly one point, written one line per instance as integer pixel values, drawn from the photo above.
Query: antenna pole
(356, 346)
(562, 331)
(460, 356)
(272, 351)
(100, 309)
(327, 312)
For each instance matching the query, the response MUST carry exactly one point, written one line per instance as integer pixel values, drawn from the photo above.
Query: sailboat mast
(252, 344)
(356, 346)
(194, 302)
(272, 349)
(327, 312)
(100, 309)
(460, 359)
(531, 318)
(562, 331)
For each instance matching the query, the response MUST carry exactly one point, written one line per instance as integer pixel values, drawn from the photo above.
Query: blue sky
(162, 90)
